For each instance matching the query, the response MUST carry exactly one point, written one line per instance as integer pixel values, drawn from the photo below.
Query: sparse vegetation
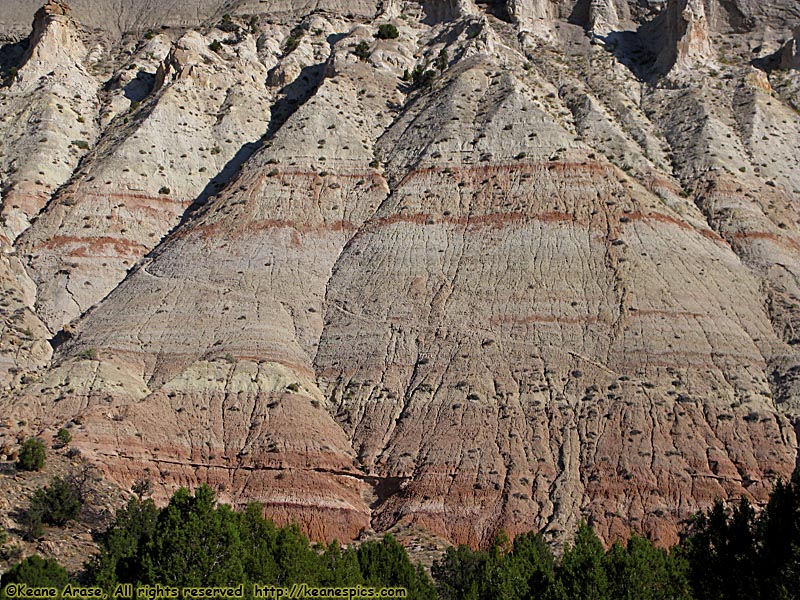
(55, 504)
(362, 50)
(215, 46)
(82, 144)
(142, 488)
(293, 41)
(227, 24)
(164, 190)
(31, 455)
(387, 31)
(88, 354)
(422, 76)
(442, 60)
(64, 436)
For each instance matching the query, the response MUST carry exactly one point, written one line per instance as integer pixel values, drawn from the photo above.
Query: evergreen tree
(640, 571)
(387, 32)
(36, 572)
(582, 573)
(442, 60)
(119, 559)
(55, 504)
(779, 563)
(741, 554)
(341, 567)
(457, 573)
(296, 560)
(60, 502)
(195, 543)
(704, 549)
(258, 537)
(502, 578)
(723, 550)
(31, 455)
(385, 563)
(534, 559)
(362, 50)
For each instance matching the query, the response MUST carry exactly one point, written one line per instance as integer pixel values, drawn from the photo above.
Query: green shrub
(227, 25)
(36, 572)
(422, 76)
(362, 50)
(149, 35)
(64, 436)
(387, 32)
(55, 504)
(215, 46)
(726, 554)
(142, 488)
(291, 44)
(442, 60)
(31, 455)
(164, 190)
(82, 144)
(88, 354)
(386, 563)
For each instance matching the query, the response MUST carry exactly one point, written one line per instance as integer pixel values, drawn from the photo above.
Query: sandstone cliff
(556, 277)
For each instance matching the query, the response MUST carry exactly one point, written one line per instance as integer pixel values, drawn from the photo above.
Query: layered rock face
(790, 55)
(203, 118)
(555, 277)
(116, 16)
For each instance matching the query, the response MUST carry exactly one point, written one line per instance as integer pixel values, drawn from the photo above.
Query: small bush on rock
(387, 32)
(31, 455)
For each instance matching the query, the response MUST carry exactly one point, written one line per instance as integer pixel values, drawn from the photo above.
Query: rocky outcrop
(685, 36)
(54, 41)
(116, 16)
(49, 110)
(790, 54)
(23, 345)
(606, 16)
(178, 145)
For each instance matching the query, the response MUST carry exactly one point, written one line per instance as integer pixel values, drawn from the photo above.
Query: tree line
(725, 554)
